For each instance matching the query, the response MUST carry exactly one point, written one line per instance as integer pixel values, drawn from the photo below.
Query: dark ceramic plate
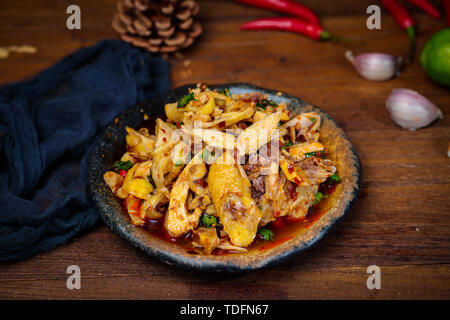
(111, 144)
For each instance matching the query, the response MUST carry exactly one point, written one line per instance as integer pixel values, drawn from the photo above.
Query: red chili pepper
(288, 24)
(123, 172)
(447, 10)
(427, 7)
(285, 6)
(401, 16)
(404, 20)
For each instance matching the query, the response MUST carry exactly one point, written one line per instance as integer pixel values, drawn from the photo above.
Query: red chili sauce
(284, 228)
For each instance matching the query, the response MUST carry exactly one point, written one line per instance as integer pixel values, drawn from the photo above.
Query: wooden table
(400, 222)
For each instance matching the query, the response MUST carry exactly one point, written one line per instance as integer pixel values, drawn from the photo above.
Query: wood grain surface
(400, 222)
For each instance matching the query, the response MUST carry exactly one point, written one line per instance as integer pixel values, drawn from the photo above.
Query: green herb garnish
(287, 144)
(209, 221)
(261, 105)
(265, 234)
(225, 92)
(122, 165)
(264, 103)
(313, 120)
(319, 197)
(185, 100)
(315, 154)
(150, 179)
(335, 178)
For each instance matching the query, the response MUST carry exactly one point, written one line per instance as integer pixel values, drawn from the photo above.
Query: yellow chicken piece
(148, 207)
(139, 188)
(209, 104)
(179, 220)
(258, 134)
(215, 138)
(133, 206)
(173, 112)
(292, 173)
(122, 193)
(232, 199)
(163, 133)
(113, 180)
(298, 151)
(141, 145)
(207, 238)
(227, 119)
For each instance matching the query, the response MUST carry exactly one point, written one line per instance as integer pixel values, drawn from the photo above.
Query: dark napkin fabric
(47, 125)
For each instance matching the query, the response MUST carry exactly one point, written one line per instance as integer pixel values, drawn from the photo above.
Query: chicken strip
(179, 220)
(232, 199)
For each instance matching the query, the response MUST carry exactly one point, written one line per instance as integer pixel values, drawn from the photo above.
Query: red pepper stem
(325, 35)
(411, 32)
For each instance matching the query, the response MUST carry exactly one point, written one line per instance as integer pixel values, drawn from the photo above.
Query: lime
(435, 57)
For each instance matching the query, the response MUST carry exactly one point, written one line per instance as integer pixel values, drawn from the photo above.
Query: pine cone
(157, 25)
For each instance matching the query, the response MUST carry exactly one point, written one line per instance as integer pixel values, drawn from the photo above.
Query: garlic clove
(375, 66)
(410, 110)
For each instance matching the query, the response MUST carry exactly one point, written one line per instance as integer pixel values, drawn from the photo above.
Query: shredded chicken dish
(222, 168)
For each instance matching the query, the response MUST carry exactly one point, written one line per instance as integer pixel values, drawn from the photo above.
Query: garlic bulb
(375, 66)
(411, 110)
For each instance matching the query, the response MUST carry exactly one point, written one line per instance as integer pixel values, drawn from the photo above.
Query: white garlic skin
(410, 110)
(375, 66)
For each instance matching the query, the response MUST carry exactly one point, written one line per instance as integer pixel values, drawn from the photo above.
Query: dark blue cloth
(47, 126)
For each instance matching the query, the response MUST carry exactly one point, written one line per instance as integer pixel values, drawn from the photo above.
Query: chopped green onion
(225, 92)
(261, 105)
(185, 100)
(319, 197)
(122, 165)
(264, 103)
(315, 154)
(335, 178)
(266, 234)
(287, 144)
(209, 221)
(313, 120)
(150, 179)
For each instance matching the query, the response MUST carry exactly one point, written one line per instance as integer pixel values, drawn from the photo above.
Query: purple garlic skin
(410, 110)
(375, 66)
